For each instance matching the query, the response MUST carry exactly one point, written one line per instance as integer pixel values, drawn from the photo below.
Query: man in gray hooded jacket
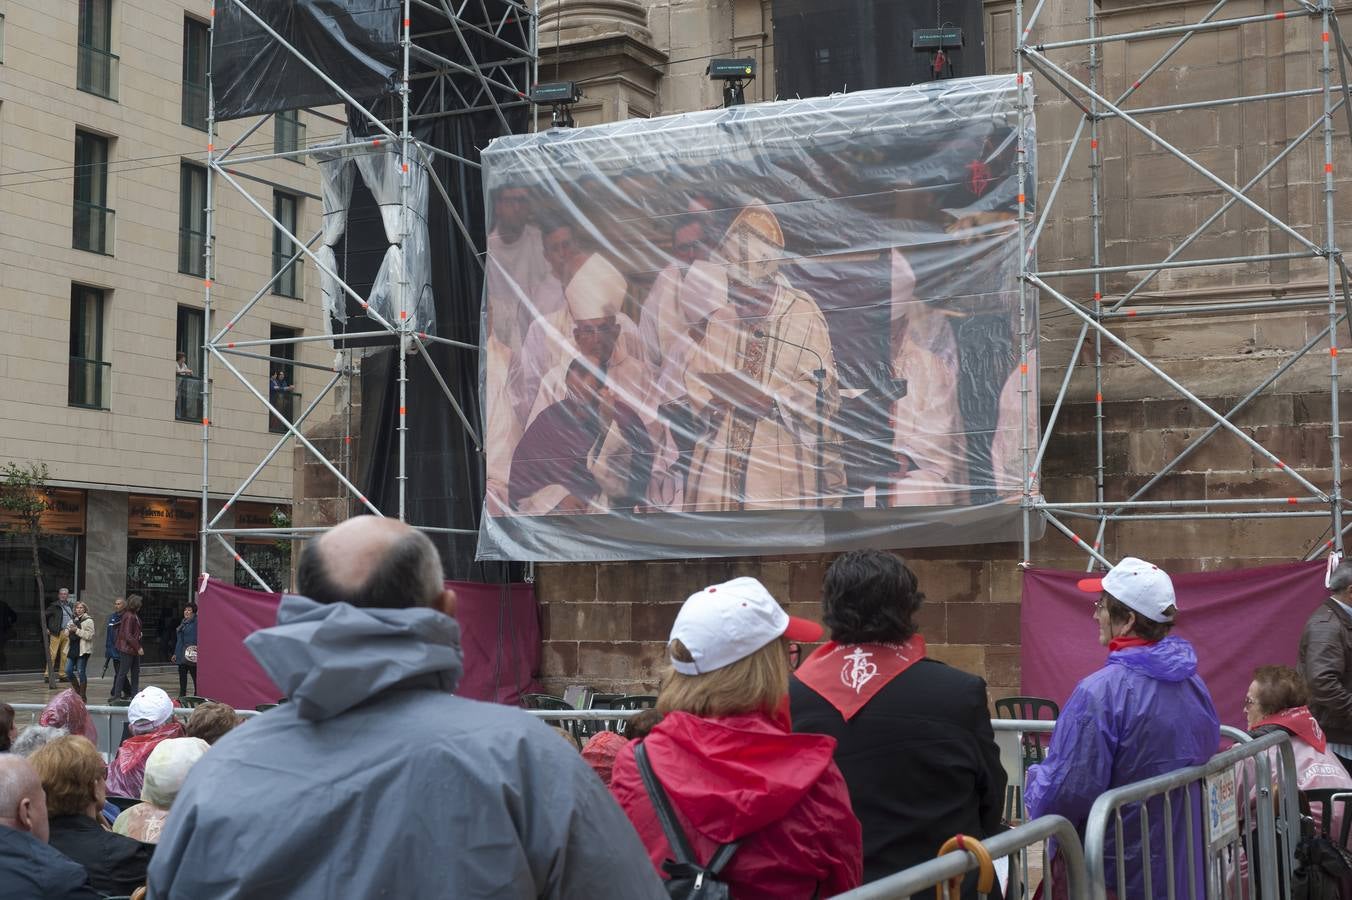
(375, 781)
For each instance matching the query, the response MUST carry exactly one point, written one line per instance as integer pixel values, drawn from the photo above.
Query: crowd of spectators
(774, 780)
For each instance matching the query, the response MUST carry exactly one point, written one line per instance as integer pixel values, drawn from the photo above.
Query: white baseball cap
(1142, 586)
(730, 621)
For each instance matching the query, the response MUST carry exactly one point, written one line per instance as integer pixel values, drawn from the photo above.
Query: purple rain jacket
(1145, 713)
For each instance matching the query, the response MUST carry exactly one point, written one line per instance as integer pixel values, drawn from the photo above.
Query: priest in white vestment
(763, 386)
(596, 330)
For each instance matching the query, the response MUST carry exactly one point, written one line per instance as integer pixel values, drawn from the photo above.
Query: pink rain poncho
(66, 710)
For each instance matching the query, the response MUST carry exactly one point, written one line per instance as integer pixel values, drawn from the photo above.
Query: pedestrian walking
(81, 636)
(185, 650)
(110, 639)
(129, 649)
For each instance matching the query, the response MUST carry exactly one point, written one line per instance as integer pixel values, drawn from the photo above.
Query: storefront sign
(65, 513)
(257, 515)
(163, 518)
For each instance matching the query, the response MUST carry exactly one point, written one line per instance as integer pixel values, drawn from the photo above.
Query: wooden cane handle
(985, 878)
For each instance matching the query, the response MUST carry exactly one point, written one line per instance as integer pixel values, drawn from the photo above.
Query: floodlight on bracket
(734, 73)
(560, 97)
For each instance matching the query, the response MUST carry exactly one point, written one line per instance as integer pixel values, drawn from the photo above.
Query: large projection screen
(780, 328)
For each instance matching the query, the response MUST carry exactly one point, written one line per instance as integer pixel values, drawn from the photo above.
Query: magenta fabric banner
(1238, 620)
(226, 670)
(500, 634)
(499, 631)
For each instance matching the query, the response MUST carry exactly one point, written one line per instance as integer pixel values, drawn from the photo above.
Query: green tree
(23, 494)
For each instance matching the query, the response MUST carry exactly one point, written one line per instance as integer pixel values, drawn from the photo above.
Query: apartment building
(103, 196)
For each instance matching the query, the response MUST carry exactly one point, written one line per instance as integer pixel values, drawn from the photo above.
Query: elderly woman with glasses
(1276, 701)
(73, 778)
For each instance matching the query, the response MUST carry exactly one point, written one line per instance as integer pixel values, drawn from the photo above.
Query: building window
(282, 393)
(188, 353)
(93, 220)
(192, 220)
(288, 134)
(285, 208)
(88, 386)
(96, 66)
(196, 46)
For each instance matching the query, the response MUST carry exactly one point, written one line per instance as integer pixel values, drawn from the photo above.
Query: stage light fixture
(734, 73)
(560, 97)
(937, 42)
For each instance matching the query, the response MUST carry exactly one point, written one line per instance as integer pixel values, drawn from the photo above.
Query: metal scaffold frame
(459, 86)
(1097, 111)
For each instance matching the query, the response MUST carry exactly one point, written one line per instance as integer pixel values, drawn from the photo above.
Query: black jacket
(116, 864)
(30, 870)
(52, 617)
(920, 761)
(1326, 663)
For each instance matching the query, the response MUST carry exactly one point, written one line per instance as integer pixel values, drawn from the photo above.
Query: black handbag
(686, 878)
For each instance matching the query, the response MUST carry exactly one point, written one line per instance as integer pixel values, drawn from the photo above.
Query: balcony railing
(92, 228)
(290, 282)
(188, 398)
(192, 252)
(287, 403)
(88, 386)
(195, 106)
(288, 136)
(96, 71)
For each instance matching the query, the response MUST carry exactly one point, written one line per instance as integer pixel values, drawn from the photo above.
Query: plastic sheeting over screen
(778, 328)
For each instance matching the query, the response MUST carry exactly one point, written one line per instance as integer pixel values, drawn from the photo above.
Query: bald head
(371, 561)
(23, 805)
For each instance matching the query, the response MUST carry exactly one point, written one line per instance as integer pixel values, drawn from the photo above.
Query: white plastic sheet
(397, 292)
(777, 328)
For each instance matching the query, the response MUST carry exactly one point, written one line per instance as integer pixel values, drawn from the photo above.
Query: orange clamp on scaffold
(985, 877)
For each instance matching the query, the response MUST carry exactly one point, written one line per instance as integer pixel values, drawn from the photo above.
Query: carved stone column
(605, 46)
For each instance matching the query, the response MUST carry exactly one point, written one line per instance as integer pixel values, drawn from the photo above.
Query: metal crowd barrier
(1013, 846)
(1247, 849)
(108, 720)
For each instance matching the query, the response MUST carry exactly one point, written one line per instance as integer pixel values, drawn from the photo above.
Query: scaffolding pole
(1087, 93)
(462, 86)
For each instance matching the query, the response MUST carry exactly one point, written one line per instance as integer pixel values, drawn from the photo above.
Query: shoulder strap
(722, 856)
(665, 815)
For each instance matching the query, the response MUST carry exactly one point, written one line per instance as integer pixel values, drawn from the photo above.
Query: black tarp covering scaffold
(354, 42)
(829, 46)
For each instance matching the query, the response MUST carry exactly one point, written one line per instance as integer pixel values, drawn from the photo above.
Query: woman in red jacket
(127, 683)
(725, 757)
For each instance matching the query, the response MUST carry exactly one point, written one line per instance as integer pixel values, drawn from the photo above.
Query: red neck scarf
(1122, 643)
(848, 675)
(1299, 722)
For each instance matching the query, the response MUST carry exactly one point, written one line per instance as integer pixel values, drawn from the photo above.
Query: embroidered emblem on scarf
(849, 675)
(858, 671)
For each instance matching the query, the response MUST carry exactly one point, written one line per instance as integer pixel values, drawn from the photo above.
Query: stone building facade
(102, 136)
(605, 624)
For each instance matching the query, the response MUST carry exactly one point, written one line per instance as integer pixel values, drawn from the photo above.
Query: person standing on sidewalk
(81, 631)
(110, 639)
(56, 621)
(185, 650)
(1325, 648)
(129, 650)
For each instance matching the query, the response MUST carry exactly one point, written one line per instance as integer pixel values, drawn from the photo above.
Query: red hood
(736, 774)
